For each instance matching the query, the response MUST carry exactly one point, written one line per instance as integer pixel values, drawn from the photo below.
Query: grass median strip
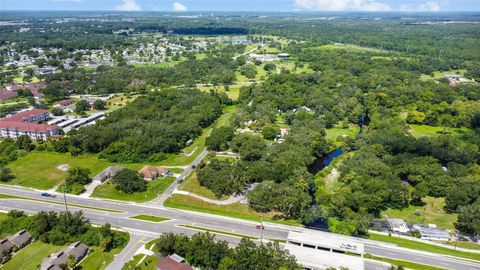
(150, 218)
(405, 243)
(5, 196)
(409, 265)
(218, 232)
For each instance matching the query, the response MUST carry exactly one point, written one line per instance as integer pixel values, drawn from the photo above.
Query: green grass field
(468, 245)
(235, 210)
(431, 213)
(150, 218)
(149, 263)
(98, 259)
(40, 169)
(30, 257)
(157, 65)
(335, 132)
(233, 91)
(409, 265)
(108, 191)
(422, 246)
(191, 184)
(218, 232)
(350, 48)
(431, 131)
(176, 170)
(119, 101)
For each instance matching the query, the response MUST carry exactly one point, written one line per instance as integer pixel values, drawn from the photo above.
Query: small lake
(322, 162)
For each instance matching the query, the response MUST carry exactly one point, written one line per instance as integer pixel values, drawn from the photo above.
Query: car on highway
(46, 194)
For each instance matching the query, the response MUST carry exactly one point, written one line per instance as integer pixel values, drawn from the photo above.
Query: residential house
(150, 173)
(66, 105)
(5, 248)
(108, 173)
(173, 262)
(58, 259)
(21, 239)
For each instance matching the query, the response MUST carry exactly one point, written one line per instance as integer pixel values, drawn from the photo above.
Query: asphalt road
(162, 197)
(178, 217)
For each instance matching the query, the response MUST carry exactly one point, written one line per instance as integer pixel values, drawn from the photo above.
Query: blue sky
(245, 5)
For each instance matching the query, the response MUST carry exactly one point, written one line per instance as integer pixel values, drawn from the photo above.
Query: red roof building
(32, 116)
(28, 123)
(4, 95)
(63, 103)
(169, 263)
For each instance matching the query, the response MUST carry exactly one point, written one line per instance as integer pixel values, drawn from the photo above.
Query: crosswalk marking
(143, 233)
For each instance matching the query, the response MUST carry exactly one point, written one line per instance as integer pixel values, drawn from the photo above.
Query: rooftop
(336, 242)
(320, 259)
(21, 116)
(25, 126)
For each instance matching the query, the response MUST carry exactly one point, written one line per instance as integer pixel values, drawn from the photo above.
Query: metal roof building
(317, 251)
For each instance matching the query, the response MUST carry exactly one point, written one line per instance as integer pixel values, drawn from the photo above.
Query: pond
(322, 162)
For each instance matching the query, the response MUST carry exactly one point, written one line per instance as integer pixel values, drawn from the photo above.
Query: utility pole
(263, 228)
(16, 176)
(64, 195)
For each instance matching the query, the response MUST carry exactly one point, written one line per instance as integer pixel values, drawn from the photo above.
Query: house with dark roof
(58, 259)
(173, 262)
(20, 239)
(108, 173)
(13, 243)
(5, 248)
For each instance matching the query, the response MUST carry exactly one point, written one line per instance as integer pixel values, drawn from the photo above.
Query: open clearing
(431, 213)
(108, 191)
(235, 210)
(191, 184)
(422, 246)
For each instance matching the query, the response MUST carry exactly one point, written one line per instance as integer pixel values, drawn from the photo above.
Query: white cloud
(342, 5)
(128, 5)
(179, 7)
(428, 6)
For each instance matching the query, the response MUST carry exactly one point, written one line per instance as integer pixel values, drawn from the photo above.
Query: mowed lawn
(431, 213)
(235, 210)
(30, 257)
(191, 184)
(431, 131)
(149, 263)
(97, 259)
(40, 169)
(108, 191)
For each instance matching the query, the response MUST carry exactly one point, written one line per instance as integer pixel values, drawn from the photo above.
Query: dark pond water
(322, 162)
(318, 165)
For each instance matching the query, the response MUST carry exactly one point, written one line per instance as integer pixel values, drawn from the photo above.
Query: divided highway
(180, 217)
